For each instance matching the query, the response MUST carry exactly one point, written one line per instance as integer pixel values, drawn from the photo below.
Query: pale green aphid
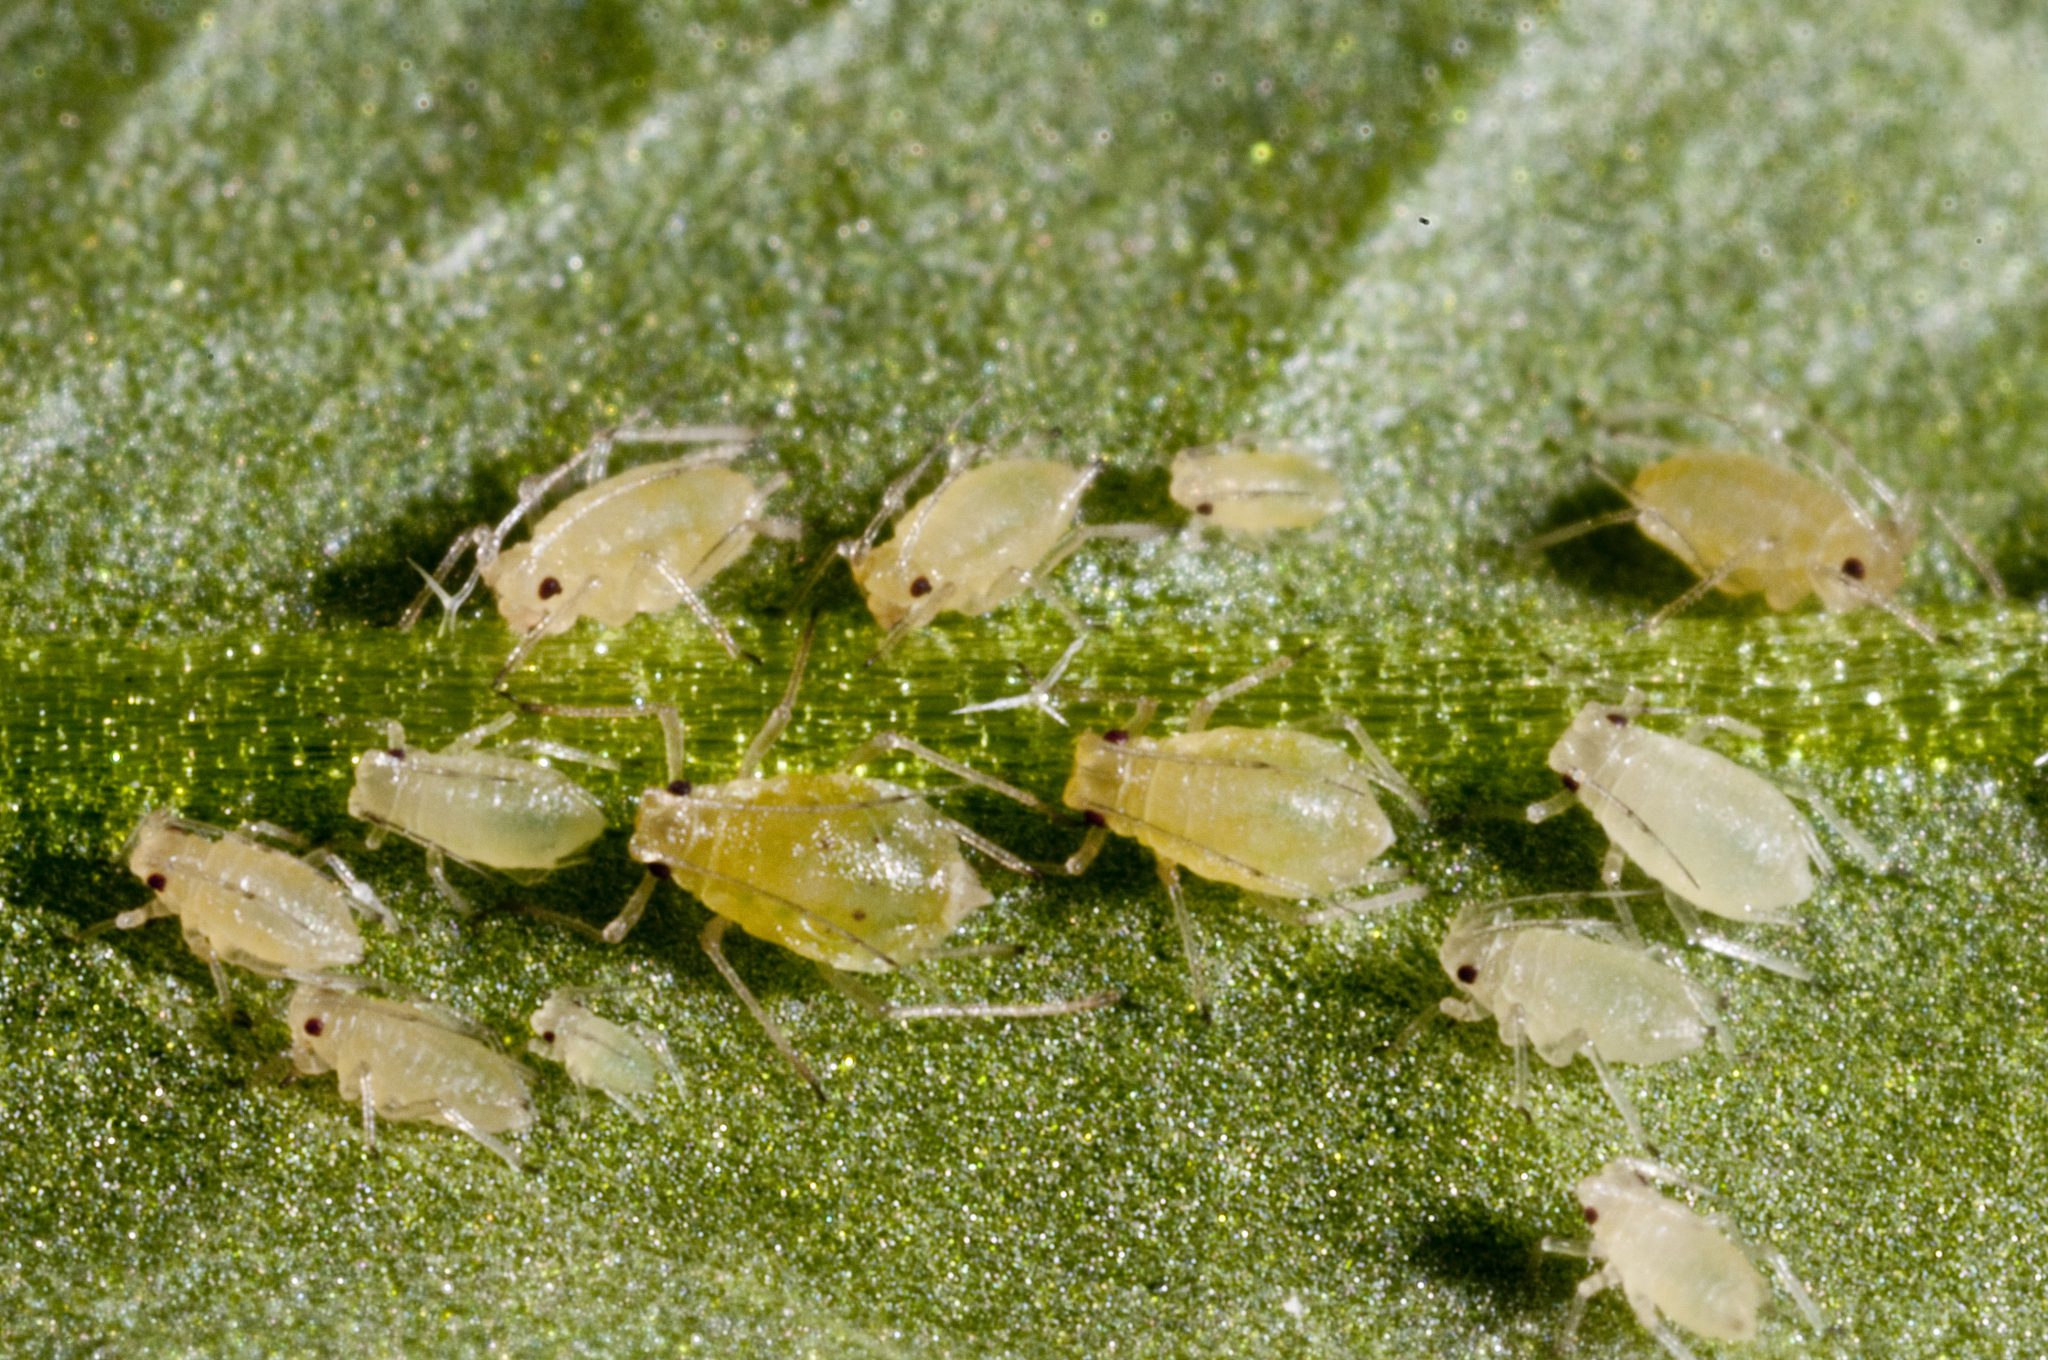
(486, 809)
(409, 1062)
(1673, 1264)
(1254, 486)
(627, 1063)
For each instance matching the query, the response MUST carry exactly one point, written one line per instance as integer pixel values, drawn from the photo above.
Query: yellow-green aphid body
(855, 873)
(406, 1062)
(974, 543)
(487, 809)
(1251, 488)
(1763, 528)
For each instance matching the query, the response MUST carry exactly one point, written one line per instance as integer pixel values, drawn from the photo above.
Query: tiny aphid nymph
(1252, 487)
(486, 809)
(1674, 1265)
(408, 1062)
(641, 542)
(277, 911)
(627, 1063)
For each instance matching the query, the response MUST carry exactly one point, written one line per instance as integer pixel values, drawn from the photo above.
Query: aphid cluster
(866, 876)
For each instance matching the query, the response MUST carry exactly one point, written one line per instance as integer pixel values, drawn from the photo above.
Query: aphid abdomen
(855, 873)
(1570, 989)
(1254, 491)
(418, 1068)
(256, 904)
(1689, 1270)
(486, 809)
(1709, 506)
(1716, 833)
(1271, 811)
(975, 538)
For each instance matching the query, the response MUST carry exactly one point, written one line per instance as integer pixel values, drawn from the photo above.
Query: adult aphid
(625, 1062)
(1250, 486)
(859, 875)
(640, 542)
(1278, 812)
(1718, 836)
(409, 1062)
(1749, 525)
(486, 809)
(1673, 1264)
(1573, 989)
(278, 912)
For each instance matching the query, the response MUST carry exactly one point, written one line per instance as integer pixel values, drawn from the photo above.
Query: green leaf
(292, 295)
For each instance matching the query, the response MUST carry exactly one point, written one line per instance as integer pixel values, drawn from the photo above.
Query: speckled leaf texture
(291, 294)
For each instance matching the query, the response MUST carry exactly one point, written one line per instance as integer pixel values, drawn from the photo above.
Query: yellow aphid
(983, 536)
(486, 809)
(641, 542)
(626, 1063)
(411, 1063)
(860, 875)
(1716, 835)
(1673, 1264)
(1253, 487)
(256, 906)
(1569, 989)
(1277, 812)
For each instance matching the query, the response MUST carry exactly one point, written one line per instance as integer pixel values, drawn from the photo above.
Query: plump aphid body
(1757, 527)
(974, 543)
(1252, 488)
(1564, 993)
(246, 903)
(856, 873)
(405, 1062)
(1277, 812)
(616, 549)
(1716, 834)
(626, 1064)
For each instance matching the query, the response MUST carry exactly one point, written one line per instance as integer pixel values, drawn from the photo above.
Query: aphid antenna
(554, 918)
(1588, 780)
(1905, 616)
(1651, 1171)
(674, 737)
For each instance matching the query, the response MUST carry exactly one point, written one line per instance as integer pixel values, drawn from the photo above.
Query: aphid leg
(785, 708)
(1665, 1337)
(1544, 809)
(1363, 906)
(630, 914)
(394, 734)
(1383, 771)
(1091, 845)
(1206, 706)
(1039, 696)
(1003, 1010)
(974, 840)
(1423, 1019)
(1709, 582)
(1081, 535)
(152, 910)
(1709, 723)
(1781, 1269)
(714, 934)
(271, 831)
(538, 746)
(1605, 1278)
(1543, 542)
(475, 538)
(1518, 1041)
(1861, 848)
(476, 736)
(1699, 936)
(1169, 874)
(671, 725)
(657, 1044)
(462, 1123)
(694, 602)
(1912, 621)
(626, 1103)
(1626, 914)
(1612, 865)
(437, 872)
(883, 743)
(1567, 1246)
(1618, 1097)
(1976, 556)
(220, 975)
(364, 1082)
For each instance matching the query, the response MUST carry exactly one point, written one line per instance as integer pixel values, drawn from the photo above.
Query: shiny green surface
(1437, 244)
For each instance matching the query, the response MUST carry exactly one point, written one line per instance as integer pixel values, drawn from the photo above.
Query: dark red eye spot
(396, 753)
(660, 870)
(1570, 783)
(314, 1026)
(1205, 508)
(1853, 568)
(1618, 718)
(1467, 974)
(156, 882)
(549, 588)
(681, 788)
(921, 586)
(1592, 1214)
(1094, 818)
(1116, 736)
(859, 915)
(547, 1036)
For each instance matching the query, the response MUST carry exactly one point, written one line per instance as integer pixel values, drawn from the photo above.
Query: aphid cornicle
(239, 901)
(1716, 835)
(859, 875)
(1672, 1264)
(1248, 486)
(641, 542)
(627, 1063)
(407, 1062)
(486, 809)
(1573, 989)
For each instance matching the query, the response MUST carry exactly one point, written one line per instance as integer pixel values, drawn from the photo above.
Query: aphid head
(1469, 945)
(531, 593)
(375, 792)
(1592, 739)
(311, 1020)
(1101, 765)
(893, 585)
(553, 1016)
(1860, 559)
(1611, 1191)
(151, 847)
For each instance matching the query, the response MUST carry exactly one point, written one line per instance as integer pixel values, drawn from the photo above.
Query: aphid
(1568, 990)
(983, 536)
(623, 1062)
(1747, 525)
(481, 808)
(1716, 835)
(409, 1062)
(257, 906)
(641, 542)
(1252, 487)
(1277, 812)
(1671, 1262)
(859, 875)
